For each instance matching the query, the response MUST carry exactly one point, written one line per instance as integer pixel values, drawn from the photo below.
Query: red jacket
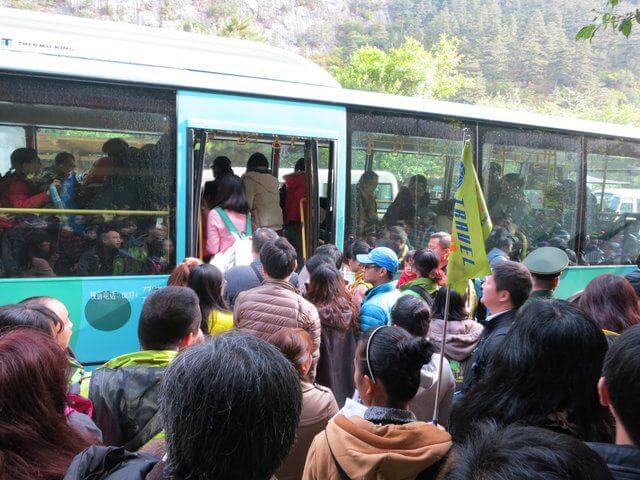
(17, 192)
(295, 185)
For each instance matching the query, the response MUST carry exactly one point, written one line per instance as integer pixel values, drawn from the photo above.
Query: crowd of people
(62, 244)
(335, 370)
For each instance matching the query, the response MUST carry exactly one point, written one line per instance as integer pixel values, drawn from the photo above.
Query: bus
(144, 112)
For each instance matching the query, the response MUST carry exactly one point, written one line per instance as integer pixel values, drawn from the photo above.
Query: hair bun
(415, 352)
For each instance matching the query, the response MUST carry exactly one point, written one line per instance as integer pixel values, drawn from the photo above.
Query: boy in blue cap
(380, 264)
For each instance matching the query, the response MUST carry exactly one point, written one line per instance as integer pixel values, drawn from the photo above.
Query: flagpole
(441, 364)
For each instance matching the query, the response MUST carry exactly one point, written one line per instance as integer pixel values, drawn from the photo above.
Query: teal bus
(143, 113)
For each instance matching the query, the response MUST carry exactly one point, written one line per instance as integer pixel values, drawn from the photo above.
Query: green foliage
(237, 27)
(609, 17)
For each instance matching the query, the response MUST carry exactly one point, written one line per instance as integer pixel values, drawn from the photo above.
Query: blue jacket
(376, 306)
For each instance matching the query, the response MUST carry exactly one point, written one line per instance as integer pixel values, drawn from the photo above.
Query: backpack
(240, 252)
(110, 463)
(423, 294)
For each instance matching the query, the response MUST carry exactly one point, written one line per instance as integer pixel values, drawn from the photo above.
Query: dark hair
(257, 161)
(206, 280)
(515, 278)
(278, 258)
(261, 236)
(63, 157)
(330, 250)
(621, 374)
(368, 176)
(20, 156)
(549, 363)
(316, 261)
(36, 441)
(426, 262)
(457, 305)
(520, 452)
(168, 315)
(231, 407)
(397, 234)
(514, 178)
(396, 358)
(295, 344)
(612, 302)
(412, 314)
(300, 165)
(116, 147)
(230, 194)
(357, 247)
(30, 313)
(223, 164)
(328, 293)
(499, 238)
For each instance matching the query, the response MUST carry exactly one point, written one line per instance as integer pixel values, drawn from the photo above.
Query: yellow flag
(470, 227)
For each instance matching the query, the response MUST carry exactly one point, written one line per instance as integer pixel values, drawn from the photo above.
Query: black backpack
(110, 463)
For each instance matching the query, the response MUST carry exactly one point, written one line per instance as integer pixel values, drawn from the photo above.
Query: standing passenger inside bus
(412, 202)
(63, 170)
(220, 167)
(262, 193)
(367, 207)
(95, 190)
(16, 188)
(232, 211)
(293, 192)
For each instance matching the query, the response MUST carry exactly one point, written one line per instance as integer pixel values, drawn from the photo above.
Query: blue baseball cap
(382, 257)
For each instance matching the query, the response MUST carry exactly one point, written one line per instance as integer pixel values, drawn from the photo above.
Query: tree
(609, 16)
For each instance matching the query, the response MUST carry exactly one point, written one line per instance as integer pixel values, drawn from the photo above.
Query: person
(408, 270)
(274, 305)
(37, 439)
(440, 244)
(518, 452)
(310, 266)
(396, 239)
(16, 190)
(412, 314)
(207, 281)
(339, 327)
(545, 374)
(231, 407)
(262, 193)
(367, 204)
(326, 251)
(40, 255)
(426, 264)
(634, 277)
(220, 167)
(96, 186)
(545, 265)
(463, 333)
(504, 292)
(101, 259)
(619, 390)
(498, 246)
(180, 275)
(293, 192)
(359, 287)
(318, 403)
(380, 264)
(512, 201)
(233, 209)
(62, 170)
(612, 302)
(411, 202)
(388, 441)
(125, 391)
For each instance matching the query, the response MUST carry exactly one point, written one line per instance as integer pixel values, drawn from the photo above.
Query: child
(409, 273)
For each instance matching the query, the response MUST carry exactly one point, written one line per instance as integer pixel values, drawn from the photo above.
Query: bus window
(402, 173)
(530, 185)
(613, 197)
(90, 194)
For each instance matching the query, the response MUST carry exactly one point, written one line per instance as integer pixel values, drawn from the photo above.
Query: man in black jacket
(505, 290)
(619, 390)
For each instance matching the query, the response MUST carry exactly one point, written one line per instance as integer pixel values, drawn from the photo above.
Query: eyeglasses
(370, 265)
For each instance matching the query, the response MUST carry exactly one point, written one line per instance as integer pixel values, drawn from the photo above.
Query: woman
(358, 289)
(318, 403)
(220, 167)
(233, 207)
(463, 333)
(262, 193)
(612, 302)
(412, 314)
(36, 439)
(39, 255)
(367, 204)
(545, 374)
(426, 264)
(180, 275)
(339, 327)
(207, 281)
(16, 190)
(388, 442)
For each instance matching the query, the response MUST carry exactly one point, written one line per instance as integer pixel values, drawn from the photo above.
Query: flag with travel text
(470, 227)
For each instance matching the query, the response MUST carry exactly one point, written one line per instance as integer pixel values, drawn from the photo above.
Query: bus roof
(71, 47)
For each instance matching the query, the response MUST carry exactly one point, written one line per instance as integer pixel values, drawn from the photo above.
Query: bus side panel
(575, 279)
(267, 116)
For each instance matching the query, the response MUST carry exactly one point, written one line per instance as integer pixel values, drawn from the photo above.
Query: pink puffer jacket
(265, 310)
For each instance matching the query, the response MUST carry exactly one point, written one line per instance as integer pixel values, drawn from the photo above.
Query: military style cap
(546, 261)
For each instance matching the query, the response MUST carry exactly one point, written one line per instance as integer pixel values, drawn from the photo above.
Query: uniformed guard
(545, 264)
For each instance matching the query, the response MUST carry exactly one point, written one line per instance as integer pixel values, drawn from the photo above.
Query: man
(545, 265)
(230, 408)
(100, 260)
(246, 277)
(505, 290)
(265, 310)
(126, 390)
(380, 265)
(440, 243)
(619, 390)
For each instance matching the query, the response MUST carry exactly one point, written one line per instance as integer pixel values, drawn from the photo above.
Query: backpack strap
(232, 228)
(150, 430)
(423, 294)
(257, 271)
(341, 472)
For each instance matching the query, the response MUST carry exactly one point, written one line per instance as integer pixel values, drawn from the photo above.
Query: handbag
(240, 252)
